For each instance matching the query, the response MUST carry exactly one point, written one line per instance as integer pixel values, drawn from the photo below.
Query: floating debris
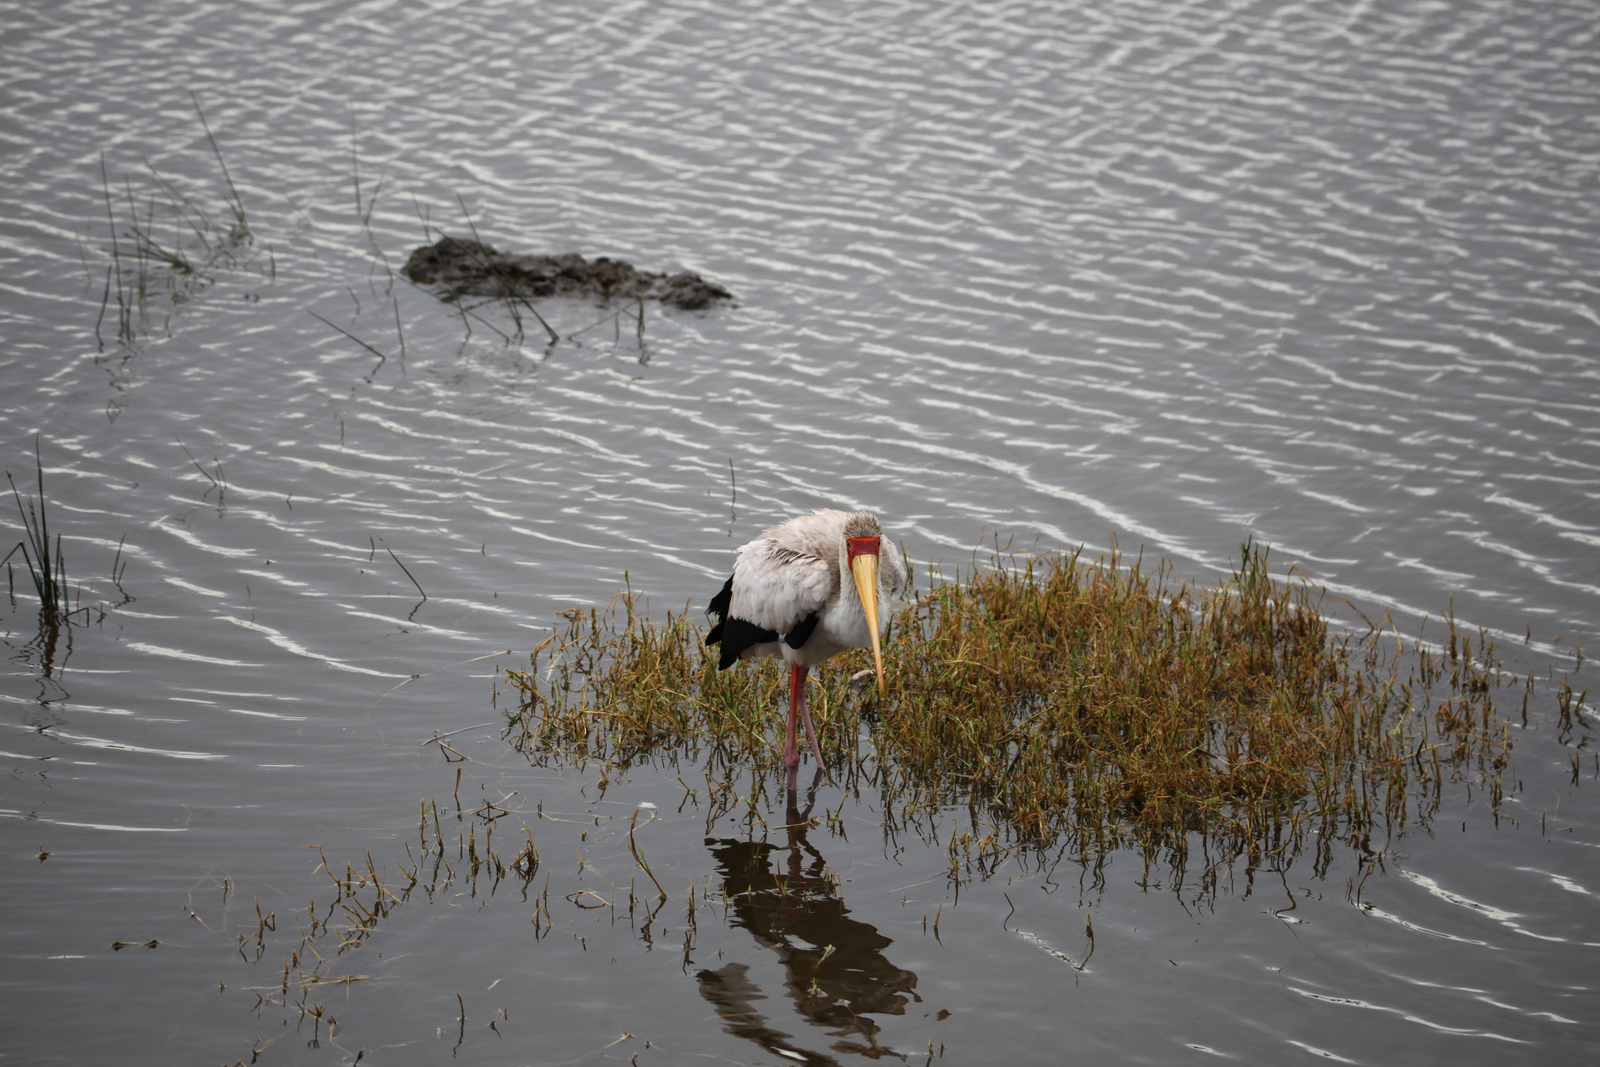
(470, 268)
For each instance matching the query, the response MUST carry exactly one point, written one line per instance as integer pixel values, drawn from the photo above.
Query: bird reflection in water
(835, 970)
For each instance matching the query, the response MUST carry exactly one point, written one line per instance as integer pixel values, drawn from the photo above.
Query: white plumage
(806, 590)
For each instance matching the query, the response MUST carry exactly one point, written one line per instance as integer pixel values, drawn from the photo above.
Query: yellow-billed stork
(806, 590)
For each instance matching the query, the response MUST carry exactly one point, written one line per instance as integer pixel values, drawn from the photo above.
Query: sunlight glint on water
(1177, 273)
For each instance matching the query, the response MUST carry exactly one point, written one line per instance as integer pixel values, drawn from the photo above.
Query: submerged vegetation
(145, 263)
(46, 563)
(318, 948)
(1059, 703)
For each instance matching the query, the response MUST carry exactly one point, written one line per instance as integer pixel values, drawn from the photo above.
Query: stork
(806, 590)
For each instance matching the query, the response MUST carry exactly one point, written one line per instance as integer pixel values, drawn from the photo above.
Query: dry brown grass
(1062, 703)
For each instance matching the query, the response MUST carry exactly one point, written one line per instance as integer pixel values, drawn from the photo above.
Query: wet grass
(318, 950)
(1040, 709)
(315, 952)
(45, 562)
(47, 566)
(1069, 707)
(145, 264)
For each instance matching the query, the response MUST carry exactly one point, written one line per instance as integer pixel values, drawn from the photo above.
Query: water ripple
(1179, 273)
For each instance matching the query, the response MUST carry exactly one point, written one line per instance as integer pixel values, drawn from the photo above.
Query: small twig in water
(440, 737)
(105, 298)
(505, 284)
(237, 204)
(601, 322)
(397, 327)
(366, 220)
(350, 101)
(634, 847)
(382, 359)
(396, 558)
(215, 484)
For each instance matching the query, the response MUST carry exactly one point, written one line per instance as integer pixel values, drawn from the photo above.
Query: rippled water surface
(1178, 273)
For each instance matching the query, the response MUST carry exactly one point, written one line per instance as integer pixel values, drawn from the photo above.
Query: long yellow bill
(864, 568)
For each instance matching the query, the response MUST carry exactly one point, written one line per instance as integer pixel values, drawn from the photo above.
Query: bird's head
(863, 538)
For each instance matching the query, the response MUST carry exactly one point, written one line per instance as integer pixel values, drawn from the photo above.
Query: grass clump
(146, 263)
(46, 563)
(47, 566)
(1096, 705)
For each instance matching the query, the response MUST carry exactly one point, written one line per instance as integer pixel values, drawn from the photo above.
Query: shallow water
(1174, 273)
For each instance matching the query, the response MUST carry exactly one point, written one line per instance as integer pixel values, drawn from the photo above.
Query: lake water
(1178, 273)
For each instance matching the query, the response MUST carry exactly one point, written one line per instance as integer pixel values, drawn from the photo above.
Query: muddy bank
(468, 268)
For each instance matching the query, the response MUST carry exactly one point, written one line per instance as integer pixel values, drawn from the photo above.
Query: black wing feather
(801, 633)
(719, 607)
(738, 635)
(733, 634)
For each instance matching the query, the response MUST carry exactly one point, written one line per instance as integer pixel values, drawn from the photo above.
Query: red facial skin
(860, 546)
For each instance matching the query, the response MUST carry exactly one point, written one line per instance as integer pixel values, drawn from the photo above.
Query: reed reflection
(835, 971)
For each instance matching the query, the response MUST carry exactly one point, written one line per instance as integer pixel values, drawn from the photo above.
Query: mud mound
(468, 268)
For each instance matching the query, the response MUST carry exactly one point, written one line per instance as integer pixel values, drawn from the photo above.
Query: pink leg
(805, 716)
(797, 698)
